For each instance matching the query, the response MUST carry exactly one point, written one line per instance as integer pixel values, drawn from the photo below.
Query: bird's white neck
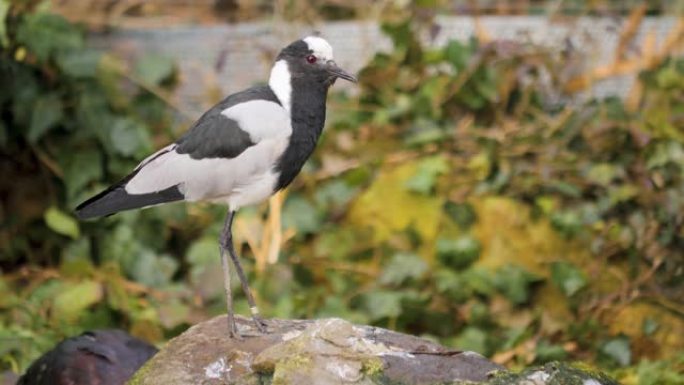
(280, 83)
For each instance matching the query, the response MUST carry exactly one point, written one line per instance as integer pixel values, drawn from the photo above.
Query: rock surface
(331, 352)
(326, 351)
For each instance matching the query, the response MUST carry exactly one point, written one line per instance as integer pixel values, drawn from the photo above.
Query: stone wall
(228, 58)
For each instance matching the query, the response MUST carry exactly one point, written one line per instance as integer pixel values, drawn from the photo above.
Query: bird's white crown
(320, 47)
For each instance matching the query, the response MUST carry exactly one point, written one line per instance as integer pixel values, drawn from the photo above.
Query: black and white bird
(243, 150)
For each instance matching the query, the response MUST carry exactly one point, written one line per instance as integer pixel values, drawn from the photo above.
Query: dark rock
(104, 357)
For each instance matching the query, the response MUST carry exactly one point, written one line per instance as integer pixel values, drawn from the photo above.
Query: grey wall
(246, 50)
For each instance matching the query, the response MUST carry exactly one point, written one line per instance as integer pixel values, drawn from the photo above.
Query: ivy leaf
(457, 54)
(618, 350)
(546, 351)
(426, 174)
(127, 136)
(46, 114)
(61, 223)
(649, 326)
(463, 214)
(567, 277)
(205, 267)
(458, 253)
(79, 64)
(154, 68)
(46, 34)
(4, 9)
(334, 194)
(300, 214)
(72, 300)
(452, 285)
(402, 267)
(473, 339)
(153, 270)
(382, 304)
(566, 222)
(515, 282)
(81, 168)
(603, 173)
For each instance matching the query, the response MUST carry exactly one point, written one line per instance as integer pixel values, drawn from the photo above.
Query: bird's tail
(115, 199)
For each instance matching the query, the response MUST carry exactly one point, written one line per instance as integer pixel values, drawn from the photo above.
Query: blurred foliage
(456, 197)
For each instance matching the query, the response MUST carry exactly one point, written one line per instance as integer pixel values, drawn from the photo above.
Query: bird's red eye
(311, 59)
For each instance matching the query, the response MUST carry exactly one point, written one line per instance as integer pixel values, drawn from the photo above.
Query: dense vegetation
(459, 196)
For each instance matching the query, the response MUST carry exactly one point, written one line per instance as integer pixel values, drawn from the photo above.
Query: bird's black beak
(338, 72)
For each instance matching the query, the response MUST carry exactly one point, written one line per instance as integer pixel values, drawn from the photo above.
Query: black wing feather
(115, 198)
(212, 136)
(216, 136)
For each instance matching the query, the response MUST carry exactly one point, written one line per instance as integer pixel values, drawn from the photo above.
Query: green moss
(373, 367)
(140, 374)
(560, 374)
(292, 363)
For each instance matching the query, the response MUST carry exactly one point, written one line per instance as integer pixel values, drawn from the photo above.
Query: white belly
(246, 179)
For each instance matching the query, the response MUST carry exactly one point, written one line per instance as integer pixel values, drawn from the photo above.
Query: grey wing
(221, 151)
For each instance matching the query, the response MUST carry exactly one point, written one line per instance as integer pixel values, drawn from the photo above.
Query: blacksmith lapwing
(247, 147)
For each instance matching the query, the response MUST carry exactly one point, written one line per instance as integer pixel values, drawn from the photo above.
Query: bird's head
(311, 59)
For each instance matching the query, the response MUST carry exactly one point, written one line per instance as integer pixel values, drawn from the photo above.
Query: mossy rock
(326, 351)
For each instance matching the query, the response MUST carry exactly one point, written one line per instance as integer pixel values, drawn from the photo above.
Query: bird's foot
(232, 328)
(259, 323)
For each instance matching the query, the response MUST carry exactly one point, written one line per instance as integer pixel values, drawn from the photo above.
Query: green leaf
(457, 54)
(174, 313)
(514, 282)
(61, 223)
(4, 9)
(618, 349)
(47, 112)
(154, 68)
(567, 222)
(205, 267)
(79, 64)
(46, 34)
(568, 278)
(82, 168)
(423, 181)
(458, 253)
(153, 270)
(127, 136)
(649, 326)
(336, 193)
(452, 285)
(300, 214)
(382, 304)
(480, 280)
(73, 299)
(546, 351)
(473, 339)
(665, 152)
(463, 214)
(603, 173)
(402, 267)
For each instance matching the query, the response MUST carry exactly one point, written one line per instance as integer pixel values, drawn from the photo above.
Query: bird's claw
(260, 324)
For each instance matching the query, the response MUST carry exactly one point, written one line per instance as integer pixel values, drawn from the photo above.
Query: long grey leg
(232, 328)
(261, 326)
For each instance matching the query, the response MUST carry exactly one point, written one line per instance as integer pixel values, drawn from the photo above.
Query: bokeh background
(508, 176)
